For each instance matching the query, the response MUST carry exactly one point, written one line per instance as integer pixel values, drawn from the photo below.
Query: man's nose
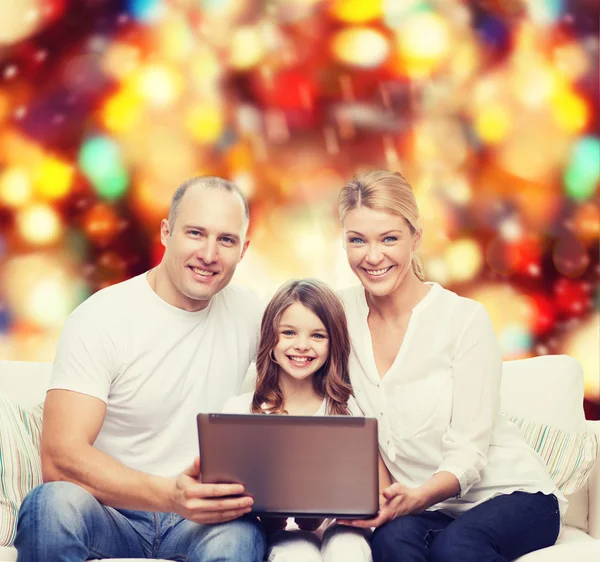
(208, 252)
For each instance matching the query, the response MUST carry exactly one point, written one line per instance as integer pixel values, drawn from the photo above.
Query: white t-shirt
(438, 405)
(243, 403)
(156, 367)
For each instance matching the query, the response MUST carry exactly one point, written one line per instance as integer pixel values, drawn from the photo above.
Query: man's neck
(160, 282)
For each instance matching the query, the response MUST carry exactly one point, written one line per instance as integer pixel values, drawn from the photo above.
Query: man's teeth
(203, 272)
(377, 272)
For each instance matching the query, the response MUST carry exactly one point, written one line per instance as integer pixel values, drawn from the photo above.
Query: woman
(426, 363)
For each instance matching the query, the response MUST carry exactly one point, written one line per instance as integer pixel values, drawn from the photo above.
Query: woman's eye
(355, 240)
(390, 239)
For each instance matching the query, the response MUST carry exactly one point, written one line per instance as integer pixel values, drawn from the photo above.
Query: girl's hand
(308, 523)
(398, 500)
(273, 524)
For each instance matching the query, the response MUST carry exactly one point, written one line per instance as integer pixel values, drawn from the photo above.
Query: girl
(302, 369)
(426, 363)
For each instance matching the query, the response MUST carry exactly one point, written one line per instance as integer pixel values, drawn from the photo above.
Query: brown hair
(332, 380)
(383, 190)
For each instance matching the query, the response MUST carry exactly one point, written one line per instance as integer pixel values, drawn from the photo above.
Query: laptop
(303, 466)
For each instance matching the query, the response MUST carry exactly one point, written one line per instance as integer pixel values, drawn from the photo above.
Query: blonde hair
(383, 190)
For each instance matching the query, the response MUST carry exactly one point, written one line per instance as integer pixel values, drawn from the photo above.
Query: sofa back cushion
(547, 389)
(25, 382)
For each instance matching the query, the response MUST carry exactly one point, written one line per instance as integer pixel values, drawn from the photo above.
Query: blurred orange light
(423, 43)
(205, 122)
(121, 112)
(492, 123)
(54, 178)
(15, 187)
(360, 46)
(120, 60)
(570, 111)
(39, 224)
(357, 11)
(159, 84)
(247, 47)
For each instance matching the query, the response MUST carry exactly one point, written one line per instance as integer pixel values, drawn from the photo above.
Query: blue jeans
(497, 530)
(62, 522)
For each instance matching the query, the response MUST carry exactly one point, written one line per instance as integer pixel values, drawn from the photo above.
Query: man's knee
(242, 540)
(56, 500)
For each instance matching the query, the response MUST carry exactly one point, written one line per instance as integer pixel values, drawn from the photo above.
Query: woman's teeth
(378, 272)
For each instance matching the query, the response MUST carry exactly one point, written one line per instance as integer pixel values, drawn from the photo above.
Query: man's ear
(244, 248)
(165, 232)
(417, 239)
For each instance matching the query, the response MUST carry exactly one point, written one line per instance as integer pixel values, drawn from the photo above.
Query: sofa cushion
(572, 545)
(547, 389)
(25, 382)
(569, 455)
(20, 465)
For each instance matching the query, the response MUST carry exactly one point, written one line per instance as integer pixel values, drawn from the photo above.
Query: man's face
(204, 245)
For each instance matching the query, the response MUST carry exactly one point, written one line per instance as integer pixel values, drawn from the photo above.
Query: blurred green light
(583, 172)
(100, 161)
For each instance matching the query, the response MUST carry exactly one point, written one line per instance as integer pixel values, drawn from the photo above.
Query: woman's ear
(417, 239)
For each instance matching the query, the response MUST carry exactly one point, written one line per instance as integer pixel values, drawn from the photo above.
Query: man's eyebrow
(203, 230)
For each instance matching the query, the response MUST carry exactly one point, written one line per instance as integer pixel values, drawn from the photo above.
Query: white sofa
(544, 389)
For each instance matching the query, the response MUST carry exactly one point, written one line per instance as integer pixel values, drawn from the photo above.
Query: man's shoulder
(111, 301)
(240, 299)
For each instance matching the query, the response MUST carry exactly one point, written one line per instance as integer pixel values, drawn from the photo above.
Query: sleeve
(476, 372)
(87, 356)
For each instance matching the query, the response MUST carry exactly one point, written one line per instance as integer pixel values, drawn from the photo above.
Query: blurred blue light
(145, 10)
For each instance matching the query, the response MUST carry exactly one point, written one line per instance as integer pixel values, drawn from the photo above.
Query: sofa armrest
(594, 487)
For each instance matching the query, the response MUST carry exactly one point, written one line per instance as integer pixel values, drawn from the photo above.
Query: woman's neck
(401, 301)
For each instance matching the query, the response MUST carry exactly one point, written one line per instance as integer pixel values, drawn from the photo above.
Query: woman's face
(379, 246)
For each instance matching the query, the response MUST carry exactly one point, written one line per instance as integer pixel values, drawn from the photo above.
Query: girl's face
(303, 344)
(379, 247)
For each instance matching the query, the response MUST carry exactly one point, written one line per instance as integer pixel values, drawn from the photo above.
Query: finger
(392, 491)
(219, 505)
(214, 490)
(194, 470)
(209, 517)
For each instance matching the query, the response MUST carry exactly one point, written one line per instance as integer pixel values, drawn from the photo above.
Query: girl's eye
(287, 333)
(320, 336)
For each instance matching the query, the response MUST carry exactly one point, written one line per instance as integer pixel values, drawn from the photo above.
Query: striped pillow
(20, 463)
(568, 455)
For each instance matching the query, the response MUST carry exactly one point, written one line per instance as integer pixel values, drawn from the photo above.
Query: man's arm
(72, 422)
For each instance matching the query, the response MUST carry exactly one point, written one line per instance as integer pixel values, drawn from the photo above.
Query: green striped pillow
(20, 463)
(568, 455)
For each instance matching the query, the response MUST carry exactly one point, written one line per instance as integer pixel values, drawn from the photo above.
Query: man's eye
(228, 240)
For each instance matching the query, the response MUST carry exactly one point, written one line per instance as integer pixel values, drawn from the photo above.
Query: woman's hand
(397, 500)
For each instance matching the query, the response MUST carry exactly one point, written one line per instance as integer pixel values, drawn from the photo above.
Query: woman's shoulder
(465, 306)
(351, 297)
(238, 404)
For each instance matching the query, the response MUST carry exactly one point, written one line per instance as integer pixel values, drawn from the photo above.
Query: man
(134, 365)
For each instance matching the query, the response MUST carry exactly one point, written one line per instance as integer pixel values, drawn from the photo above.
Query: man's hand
(308, 523)
(397, 500)
(206, 503)
(273, 524)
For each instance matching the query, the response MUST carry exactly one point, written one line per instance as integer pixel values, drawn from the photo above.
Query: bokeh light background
(489, 108)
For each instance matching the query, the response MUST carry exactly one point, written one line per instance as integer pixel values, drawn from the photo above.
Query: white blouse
(438, 406)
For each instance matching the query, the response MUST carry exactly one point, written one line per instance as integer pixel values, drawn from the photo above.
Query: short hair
(205, 181)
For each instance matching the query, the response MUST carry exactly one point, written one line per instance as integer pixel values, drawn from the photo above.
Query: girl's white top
(438, 405)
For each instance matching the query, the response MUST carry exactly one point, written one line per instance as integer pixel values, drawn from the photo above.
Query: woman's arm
(476, 373)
